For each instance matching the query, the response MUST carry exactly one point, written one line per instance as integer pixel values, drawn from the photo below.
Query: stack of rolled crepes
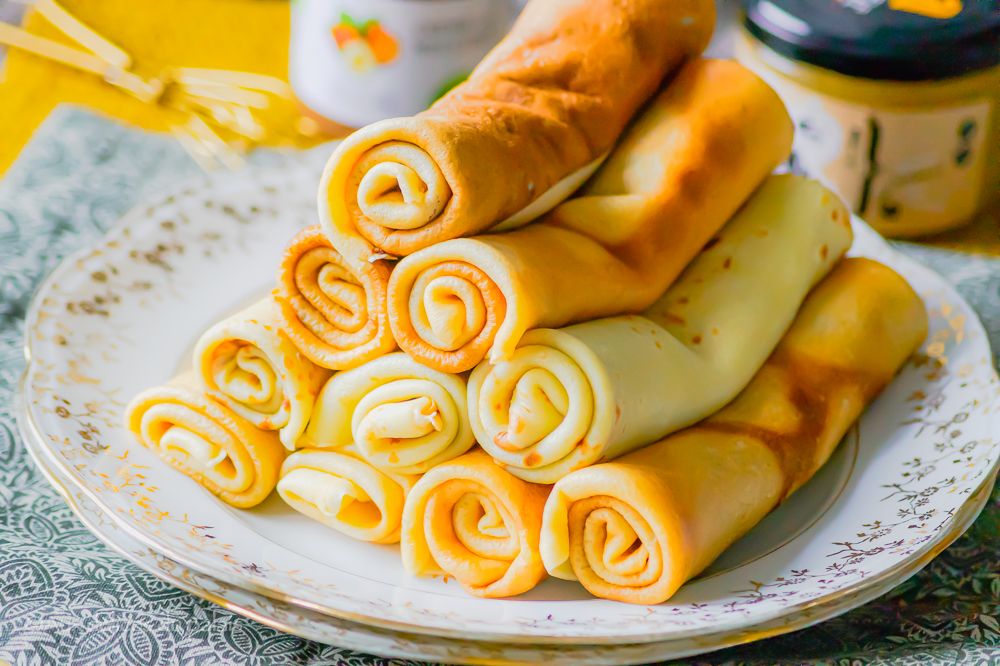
(640, 269)
(571, 397)
(696, 153)
(533, 120)
(635, 529)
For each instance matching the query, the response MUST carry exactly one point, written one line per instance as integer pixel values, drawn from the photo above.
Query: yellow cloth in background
(242, 35)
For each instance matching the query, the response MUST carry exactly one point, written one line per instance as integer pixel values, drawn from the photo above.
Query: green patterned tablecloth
(65, 599)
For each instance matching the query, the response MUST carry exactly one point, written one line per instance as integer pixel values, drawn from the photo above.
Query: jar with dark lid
(896, 103)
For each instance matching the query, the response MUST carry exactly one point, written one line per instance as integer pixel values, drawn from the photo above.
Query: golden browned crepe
(636, 529)
(334, 315)
(591, 392)
(231, 457)
(395, 413)
(529, 126)
(342, 491)
(470, 519)
(249, 364)
(679, 173)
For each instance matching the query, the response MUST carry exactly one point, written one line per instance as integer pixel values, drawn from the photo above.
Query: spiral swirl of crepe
(572, 397)
(470, 519)
(232, 458)
(345, 493)
(532, 122)
(400, 416)
(683, 168)
(636, 529)
(249, 364)
(336, 317)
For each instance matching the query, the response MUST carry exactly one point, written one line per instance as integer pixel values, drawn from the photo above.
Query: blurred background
(895, 101)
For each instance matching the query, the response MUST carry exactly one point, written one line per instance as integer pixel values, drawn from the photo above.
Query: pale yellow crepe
(344, 492)
(530, 125)
(399, 415)
(571, 397)
(336, 317)
(231, 457)
(635, 529)
(249, 364)
(683, 168)
(470, 519)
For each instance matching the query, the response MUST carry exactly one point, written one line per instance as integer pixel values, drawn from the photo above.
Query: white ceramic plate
(118, 317)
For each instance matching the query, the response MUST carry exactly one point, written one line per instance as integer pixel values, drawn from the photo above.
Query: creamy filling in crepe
(248, 363)
(636, 529)
(518, 136)
(571, 397)
(398, 415)
(209, 442)
(470, 519)
(684, 167)
(344, 492)
(333, 315)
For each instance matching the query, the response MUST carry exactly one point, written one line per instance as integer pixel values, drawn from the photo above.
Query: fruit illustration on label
(939, 9)
(364, 46)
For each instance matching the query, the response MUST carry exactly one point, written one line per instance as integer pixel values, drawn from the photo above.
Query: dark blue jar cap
(870, 39)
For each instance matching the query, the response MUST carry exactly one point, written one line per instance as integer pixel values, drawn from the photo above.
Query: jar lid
(902, 40)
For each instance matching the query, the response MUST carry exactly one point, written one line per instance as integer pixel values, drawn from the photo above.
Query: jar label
(904, 172)
(359, 61)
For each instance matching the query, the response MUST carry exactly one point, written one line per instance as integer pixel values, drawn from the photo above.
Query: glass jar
(896, 104)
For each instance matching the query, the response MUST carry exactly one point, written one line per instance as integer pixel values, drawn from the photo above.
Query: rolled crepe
(635, 529)
(344, 492)
(529, 126)
(575, 396)
(399, 415)
(232, 458)
(681, 171)
(470, 519)
(334, 315)
(248, 363)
